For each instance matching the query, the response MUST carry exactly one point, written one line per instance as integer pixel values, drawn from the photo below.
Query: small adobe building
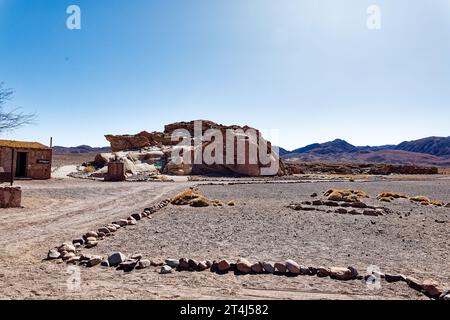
(30, 160)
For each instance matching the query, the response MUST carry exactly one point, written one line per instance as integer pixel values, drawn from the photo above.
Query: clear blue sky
(311, 69)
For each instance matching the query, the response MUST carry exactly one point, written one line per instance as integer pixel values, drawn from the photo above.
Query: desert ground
(412, 239)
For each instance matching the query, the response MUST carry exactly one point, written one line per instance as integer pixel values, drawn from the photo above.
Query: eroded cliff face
(203, 137)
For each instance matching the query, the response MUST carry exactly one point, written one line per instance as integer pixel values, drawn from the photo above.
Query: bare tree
(10, 120)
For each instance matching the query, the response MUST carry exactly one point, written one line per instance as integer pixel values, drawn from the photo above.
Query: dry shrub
(420, 199)
(199, 202)
(195, 199)
(347, 195)
(184, 198)
(231, 203)
(386, 199)
(393, 195)
(437, 203)
(217, 203)
(89, 169)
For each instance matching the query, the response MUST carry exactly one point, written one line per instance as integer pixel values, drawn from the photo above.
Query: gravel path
(260, 226)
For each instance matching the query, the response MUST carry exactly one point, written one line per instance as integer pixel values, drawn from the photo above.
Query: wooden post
(12, 166)
(51, 142)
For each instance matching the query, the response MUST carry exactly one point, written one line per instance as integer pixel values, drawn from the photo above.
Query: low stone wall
(10, 197)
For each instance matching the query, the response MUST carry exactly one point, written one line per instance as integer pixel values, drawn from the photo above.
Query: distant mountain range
(80, 149)
(431, 151)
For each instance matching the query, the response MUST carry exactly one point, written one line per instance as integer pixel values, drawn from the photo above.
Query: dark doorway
(21, 164)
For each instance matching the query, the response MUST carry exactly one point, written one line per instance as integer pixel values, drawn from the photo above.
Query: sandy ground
(258, 227)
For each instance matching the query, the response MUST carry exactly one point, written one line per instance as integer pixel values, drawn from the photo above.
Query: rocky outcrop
(231, 160)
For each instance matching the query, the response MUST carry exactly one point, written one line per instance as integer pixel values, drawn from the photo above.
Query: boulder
(372, 213)
(79, 241)
(323, 272)
(73, 260)
(136, 256)
(413, 283)
(193, 264)
(268, 267)
(96, 260)
(67, 247)
(280, 267)
(111, 228)
(105, 264)
(136, 216)
(183, 264)
(223, 266)
(173, 263)
(103, 230)
(203, 265)
(165, 269)
(116, 258)
(128, 265)
(128, 142)
(91, 234)
(257, 267)
(122, 222)
(143, 264)
(394, 277)
(91, 244)
(243, 265)
(156, 263)
(292, 266)
(431, 288)
(342, 273)
(67, 255)
(53, 254)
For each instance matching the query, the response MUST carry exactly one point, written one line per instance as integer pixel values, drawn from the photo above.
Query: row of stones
(428, 287)
(342, 207)
(71, 253)
(289, 268)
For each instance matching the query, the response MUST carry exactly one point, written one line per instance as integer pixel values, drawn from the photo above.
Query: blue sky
(310, 69)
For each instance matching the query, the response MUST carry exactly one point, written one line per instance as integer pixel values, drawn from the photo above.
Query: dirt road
(56, 211)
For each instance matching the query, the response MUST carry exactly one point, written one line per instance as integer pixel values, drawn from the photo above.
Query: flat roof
(22, 145)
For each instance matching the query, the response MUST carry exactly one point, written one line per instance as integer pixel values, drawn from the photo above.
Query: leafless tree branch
(11, 120)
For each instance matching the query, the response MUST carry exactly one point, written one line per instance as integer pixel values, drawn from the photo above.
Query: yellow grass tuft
(183, 198)
(89, 169)
(347, 195)
(393, 195)
(420, 199)
(217, 203)
(199, 202)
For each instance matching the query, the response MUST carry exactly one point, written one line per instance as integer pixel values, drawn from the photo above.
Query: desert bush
(393, 195)
(199, 202)
(183, 198)
(89, 169)
(347, 195)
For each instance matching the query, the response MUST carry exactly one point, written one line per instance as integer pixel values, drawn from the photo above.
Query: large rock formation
(230, 158)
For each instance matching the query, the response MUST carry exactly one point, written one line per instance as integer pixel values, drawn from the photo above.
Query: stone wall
(10, 197)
